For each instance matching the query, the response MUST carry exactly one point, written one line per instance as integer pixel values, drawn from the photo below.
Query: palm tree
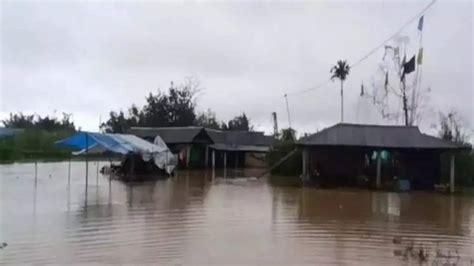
(341, 71)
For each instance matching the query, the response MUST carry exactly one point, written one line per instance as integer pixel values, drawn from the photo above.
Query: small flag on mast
(408, 67)
(419, 60)
(420, 23)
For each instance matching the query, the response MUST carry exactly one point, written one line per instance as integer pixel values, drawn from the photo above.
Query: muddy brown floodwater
(196, 218)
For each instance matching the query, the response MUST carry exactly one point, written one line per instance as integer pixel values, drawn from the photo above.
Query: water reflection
(361, 223)
(220, 218)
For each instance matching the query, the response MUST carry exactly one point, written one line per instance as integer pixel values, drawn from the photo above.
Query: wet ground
(198, 218)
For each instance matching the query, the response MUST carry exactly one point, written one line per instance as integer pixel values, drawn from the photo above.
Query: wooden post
(225, 160)
(132, 165)
(452, 174)
(213, 159)
(304, 175)
(110, 181)
(378, 181)
(69, 174)
(213, 175)
(188, 153)
(87, 162)
(206, 160)
(225, 164)
(110, 191)
(236, 159)
(36, 172)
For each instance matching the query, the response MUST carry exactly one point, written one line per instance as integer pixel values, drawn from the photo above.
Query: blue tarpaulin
(122, 144)
(117, 143)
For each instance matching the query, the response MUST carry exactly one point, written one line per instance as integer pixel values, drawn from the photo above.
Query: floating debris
(422, 254)
(397, 240)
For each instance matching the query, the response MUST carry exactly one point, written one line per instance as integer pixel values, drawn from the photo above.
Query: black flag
(408, 67)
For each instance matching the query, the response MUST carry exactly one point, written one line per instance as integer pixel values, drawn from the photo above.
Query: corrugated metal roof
(376, 136)
(249, 148)
(170, 135)
(255, 138)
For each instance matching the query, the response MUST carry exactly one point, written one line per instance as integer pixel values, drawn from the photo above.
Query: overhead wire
(371, 52)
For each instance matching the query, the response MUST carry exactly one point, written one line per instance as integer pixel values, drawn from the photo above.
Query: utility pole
(288, 110)
(275, 124)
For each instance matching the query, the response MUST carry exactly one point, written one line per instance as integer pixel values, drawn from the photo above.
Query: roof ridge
(160, 128)
(373, 125)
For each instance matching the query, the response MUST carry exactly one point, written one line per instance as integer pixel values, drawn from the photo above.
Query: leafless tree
(392, 94)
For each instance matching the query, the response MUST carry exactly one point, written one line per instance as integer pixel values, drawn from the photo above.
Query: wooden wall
(346, 166)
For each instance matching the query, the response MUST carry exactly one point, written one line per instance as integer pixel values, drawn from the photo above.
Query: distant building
(375, 156)
(203, 147)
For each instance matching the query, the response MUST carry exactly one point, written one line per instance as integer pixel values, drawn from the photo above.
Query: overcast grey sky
(88, 58)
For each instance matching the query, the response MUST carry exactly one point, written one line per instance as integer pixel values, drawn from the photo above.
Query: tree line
(173, 108)
(34, 121)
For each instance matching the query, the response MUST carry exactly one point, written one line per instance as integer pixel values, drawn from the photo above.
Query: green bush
(292, 165)
(33, 145)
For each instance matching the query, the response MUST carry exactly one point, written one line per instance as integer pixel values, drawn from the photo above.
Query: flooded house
(240, 148)
(376, 156)
(199, 147)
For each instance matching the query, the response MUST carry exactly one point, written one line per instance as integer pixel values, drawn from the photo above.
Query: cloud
(89, 58)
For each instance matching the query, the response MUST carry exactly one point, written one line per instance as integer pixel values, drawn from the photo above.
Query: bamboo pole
(69, 174)
(36, 172)
(87, 161)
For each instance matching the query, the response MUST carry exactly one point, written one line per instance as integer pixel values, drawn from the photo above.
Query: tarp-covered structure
(124, 144)
(195, 145)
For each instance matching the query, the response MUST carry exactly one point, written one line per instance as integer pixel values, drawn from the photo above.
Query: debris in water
(422, 254)
(397, 240)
